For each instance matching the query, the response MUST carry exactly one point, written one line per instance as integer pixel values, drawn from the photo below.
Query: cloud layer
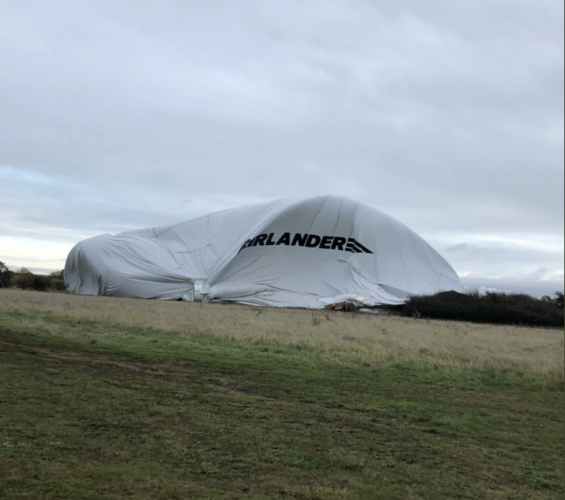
(447, 115)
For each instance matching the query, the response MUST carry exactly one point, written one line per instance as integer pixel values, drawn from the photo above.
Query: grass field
(111, 398)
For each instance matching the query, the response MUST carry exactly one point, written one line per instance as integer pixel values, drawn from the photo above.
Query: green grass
(90, 411)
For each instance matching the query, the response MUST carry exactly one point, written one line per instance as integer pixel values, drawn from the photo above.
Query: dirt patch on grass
(77, 357)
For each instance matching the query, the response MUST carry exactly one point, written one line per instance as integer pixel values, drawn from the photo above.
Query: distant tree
(23, 279)
(557, 300)
(41, 283)
(58, 281)
(5, 275)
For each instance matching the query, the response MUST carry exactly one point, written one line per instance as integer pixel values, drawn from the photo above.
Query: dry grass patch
(372, 338)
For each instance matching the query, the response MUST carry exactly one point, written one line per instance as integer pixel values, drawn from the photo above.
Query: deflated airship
(308, 253)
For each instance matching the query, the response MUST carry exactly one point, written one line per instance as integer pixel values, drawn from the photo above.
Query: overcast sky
(446, 114)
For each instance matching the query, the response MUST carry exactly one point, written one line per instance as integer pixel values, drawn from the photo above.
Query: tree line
(493, 308)
(26, 280)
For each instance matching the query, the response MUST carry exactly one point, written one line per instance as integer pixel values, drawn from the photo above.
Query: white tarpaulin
(307, 253)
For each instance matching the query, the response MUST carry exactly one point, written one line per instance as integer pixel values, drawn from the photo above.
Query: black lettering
(247, 243)
(260, 240)
(313, 241)
(300, 240)
(326, 242)
(285, 239)
(339, 243)
(310, 241)
(351, 247)
(363, 248)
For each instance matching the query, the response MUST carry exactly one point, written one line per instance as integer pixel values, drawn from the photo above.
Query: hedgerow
(494, 308)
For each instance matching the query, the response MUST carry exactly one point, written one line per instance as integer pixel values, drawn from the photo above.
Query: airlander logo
(308, 241)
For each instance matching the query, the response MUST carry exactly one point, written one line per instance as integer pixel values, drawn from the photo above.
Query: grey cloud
(31, 260)
(447, 115)
(42, 270)
(532, 287)
(512, 261)
(460, 247)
